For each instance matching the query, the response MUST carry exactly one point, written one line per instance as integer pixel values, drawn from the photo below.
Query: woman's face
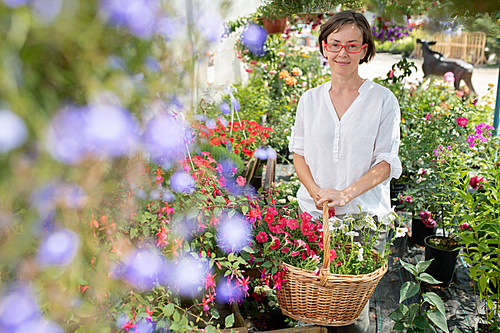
(343, 63)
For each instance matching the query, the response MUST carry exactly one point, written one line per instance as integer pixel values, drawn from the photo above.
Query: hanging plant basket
(327, 299)
(274, 26)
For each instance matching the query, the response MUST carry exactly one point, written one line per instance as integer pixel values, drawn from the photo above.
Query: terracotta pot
(442, 267)
(274, 26)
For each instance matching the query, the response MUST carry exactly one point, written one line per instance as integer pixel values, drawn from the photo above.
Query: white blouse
(339, 152)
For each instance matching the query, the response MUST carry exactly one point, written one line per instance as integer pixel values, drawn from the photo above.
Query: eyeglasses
(350, 48)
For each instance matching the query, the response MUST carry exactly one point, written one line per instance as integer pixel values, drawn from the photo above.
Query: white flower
(360, 254)
(352, 234)
(401, 232)
(272, 303)
(370, 222)
(282, 201)
(348, 218)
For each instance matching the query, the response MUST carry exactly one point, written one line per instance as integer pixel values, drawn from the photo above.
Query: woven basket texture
(327, 299)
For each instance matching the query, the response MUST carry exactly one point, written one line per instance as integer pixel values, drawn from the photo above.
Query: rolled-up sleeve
(296, 144)
(388, 138)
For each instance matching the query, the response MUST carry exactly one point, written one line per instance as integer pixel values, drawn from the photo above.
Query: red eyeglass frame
(344, 47)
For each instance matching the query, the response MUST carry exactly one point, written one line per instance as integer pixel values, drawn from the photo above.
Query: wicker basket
(327, 299)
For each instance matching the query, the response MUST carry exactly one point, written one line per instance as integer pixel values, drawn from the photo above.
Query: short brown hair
(342, 19)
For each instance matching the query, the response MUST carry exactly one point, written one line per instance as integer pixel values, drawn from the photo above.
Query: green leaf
(168, 309)
(423, 265)
(248, 249)
(176, 317)
(230, 257)
(244, 210)
(133, 232)
(409, 267)
(408, 289)
(229, 320)
(422, 323)
(399, 327)
(456, 330)
(428, 278)
(214, 313)
(210, 329)
(438, 319)
(435, 300)
(267, 264)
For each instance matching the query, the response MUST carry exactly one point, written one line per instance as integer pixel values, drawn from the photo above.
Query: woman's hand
(333, 197)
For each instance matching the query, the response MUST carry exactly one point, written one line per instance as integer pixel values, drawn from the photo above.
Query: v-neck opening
(331, 107)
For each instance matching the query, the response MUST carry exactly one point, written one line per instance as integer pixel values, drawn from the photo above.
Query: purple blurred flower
(233, 234)
(170, 28)
(145, 326)
(167, 196)
(164, 138)
(110, 130)
(210, 25)
(65, 140)
(210, 123)
(15, 3)
(271, 153)
(152, 64)
(228, 291)
(188, 276)
(261, 153)
(140, 16)
(12, 131)
(225, 108)
(47, 10)
(17, 306)
(144, 269)
(182, 182)
(254, 37)
(58, 248)
(45, 198)
(39, 325)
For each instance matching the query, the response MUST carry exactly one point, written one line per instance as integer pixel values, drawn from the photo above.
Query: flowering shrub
(244, 137)
(389, 31)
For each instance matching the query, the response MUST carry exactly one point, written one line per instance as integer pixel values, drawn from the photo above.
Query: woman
(346, 135)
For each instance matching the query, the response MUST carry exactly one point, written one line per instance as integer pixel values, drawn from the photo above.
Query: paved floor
(383, 62)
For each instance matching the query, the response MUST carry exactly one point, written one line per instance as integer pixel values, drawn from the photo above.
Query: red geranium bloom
(261, 237)
(312, 237)
(292, 224)
(333, 254)
(272, 210)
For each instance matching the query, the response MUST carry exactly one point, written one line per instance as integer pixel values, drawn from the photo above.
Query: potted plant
(476, 203)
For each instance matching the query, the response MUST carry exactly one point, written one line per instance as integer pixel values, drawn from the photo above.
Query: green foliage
(279, 9)
(403, 47)
(489, 24)
(413, 317)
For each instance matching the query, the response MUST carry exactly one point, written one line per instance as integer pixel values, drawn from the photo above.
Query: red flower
(477, 182)
(254, 213)
(312, 237)
(269, 218)
(465, 226)
(292, 224)
(272, 210)
(261, 237)
(306, 228)
(333, 255)
(331, 212)
(276, 243)
(305, 217)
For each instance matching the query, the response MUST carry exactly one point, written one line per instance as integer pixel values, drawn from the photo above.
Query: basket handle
(325, 271)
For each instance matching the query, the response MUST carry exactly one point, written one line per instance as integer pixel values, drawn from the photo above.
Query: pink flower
(312, 237)
(272, 72)
(261, 237)
(477, 182)
(408, 199)
(333, 255)
(462, 121)
(249, 70)
(209, 280)
(253, 62)
(391, 74)
(460, 93)
(275, 243)
(429, 223)
(306, 228)
(241, 181)
(428, 116)
(425, 215)
(431, 103)
(281, 54)
(269, 218)
(465, 226)
(294, 253)
(292, 224)
(272, 210)
(449, 77)
(331, 212)
(305, 217)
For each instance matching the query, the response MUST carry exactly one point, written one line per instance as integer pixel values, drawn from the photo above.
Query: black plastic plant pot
(420, 231)
(443, 266)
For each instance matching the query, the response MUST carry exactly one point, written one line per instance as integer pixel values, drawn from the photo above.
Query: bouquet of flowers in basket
(282, 236)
